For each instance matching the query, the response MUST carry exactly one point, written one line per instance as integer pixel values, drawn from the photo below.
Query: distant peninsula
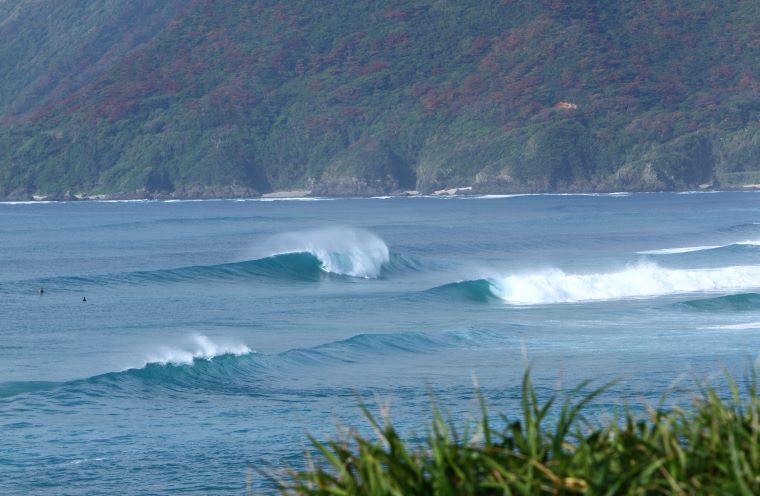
(236, 98)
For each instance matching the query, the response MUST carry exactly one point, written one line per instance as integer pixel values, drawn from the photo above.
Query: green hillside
(358, 97)
(50, 49)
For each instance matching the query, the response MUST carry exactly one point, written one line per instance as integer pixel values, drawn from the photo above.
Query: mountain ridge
(361, 98)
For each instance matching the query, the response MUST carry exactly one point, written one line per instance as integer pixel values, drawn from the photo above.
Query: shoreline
(304, 195)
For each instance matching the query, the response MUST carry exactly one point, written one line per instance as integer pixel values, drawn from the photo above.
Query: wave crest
(203, 364)
(644, 280)
(198, 347)
(733, 303)
(478, 290)
(751, 244)
(302, 266)
(341, 251)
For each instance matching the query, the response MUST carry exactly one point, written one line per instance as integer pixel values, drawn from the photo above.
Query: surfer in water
(84, 299)
(41, 291)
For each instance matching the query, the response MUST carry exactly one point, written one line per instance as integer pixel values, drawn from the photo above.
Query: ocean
(216, 335)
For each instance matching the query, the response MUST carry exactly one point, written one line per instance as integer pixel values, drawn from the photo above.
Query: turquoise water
(216, 334)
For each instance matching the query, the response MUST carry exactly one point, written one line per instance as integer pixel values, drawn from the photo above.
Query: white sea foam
(517, 195)
(690, 249)
(640, 281)
(685, 249)
(79, 461)
(344, 251)
(495, 197)
(198, 346)
(747, 325)
(295, 198)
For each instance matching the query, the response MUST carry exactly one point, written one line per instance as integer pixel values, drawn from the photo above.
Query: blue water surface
(216, 334)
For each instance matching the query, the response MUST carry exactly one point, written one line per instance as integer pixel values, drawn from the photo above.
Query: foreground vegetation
(711, 447)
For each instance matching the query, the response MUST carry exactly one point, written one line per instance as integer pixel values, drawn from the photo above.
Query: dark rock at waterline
(353, 186)
(65, 196)
(190, 192)
(18, 194)
(633, 178)
(199, 191)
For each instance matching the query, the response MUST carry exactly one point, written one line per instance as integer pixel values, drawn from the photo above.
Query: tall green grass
(710, 447)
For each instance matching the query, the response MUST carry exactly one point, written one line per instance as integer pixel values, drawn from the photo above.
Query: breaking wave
(199, 347)
(294, 266)
(233, 368)
(641, 281)
(342, 251)
(645, 280)
(478, 290)
(194, 358)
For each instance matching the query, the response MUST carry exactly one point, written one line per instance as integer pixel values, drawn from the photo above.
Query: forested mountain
(237, 97)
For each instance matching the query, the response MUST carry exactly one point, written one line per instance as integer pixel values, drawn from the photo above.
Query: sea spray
(302, 265)
(341, 250)
(197, 361)
(197, 347)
